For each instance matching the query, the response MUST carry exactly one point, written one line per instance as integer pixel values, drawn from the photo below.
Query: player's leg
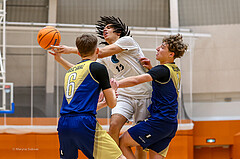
(159, 149)
(122, 112)
(116, 123)
(122, 157)
(141, 109)
(141, 113)
(104, 145)
(155, 155)
(139, 153)
(126, 142)
(137, 135)
(68, 149)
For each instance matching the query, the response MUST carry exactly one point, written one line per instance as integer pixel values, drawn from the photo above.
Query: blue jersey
(81, 89)
(157, 131)
(77, 126)
(166, 83)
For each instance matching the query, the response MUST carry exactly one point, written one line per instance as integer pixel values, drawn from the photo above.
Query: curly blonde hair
(176, 45)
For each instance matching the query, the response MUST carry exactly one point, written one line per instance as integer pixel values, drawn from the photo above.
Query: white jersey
(126, 64)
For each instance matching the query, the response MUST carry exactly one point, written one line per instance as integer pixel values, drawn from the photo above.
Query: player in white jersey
(126, 64)
(121, 56)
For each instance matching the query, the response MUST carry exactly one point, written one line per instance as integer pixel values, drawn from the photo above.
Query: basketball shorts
(154, 134)
(131, 108)
(86, 134)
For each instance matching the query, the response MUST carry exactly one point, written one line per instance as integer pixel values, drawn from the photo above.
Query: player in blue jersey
(78, 128)
(157, 131)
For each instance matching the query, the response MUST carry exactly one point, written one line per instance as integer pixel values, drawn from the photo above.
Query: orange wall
(212, 153)
(29, 146)
(45, 146)
(189, 144)
(227, 143)
(236, 147)
(181, 145)
(222, 131)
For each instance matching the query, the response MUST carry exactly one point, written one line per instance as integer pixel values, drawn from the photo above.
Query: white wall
(216, 73)
(216, 60)
(216, 87)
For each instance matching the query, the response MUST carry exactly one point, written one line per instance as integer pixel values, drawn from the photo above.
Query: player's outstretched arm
(110, 97)
(134, 80)
(67, 65)
(109, 50)
(63, 49)
(57, 56)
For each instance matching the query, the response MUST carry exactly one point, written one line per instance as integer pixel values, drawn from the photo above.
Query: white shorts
(131, 108)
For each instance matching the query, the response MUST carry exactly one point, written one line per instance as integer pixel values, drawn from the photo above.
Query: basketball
(48, 36)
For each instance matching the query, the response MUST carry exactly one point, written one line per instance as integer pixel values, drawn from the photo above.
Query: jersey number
(120, 67)
(71, 85)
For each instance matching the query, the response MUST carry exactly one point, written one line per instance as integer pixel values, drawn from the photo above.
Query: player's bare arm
(110, 97)
(63, 49)
(109, 50)
(101, 100)
(134, 80)
(57, 56)
(67, 65)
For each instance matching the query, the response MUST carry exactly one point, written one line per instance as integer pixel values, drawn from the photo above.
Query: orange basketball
(48, 36)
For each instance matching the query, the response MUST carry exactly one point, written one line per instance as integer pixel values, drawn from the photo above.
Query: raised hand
(114, 84)
(145, 62)
(57, 56)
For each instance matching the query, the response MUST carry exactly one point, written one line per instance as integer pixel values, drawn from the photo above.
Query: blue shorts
(154, 134)
(83, 132)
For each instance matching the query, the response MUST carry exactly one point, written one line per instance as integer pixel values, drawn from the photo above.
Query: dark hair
(117, 24)
(176, 45)
(86, 44)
